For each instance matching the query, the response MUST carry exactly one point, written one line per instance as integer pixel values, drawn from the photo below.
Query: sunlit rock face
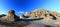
(9, 16)
(21, 16)
(50, 18)
(11, 20)
(41, 13)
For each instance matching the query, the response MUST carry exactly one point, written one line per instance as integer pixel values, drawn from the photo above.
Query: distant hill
(41, 13)
(2, 15)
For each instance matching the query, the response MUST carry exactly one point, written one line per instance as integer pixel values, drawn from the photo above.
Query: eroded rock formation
(41, 13)
(11, 20)
(50, 18)
(10, 16)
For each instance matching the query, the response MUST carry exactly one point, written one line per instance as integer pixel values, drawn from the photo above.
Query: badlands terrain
(46, 18)
(50, 18)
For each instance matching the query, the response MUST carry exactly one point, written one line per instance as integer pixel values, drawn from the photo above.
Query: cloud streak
(21, 12)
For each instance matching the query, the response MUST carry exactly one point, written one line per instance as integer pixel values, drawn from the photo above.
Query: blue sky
(22, 6)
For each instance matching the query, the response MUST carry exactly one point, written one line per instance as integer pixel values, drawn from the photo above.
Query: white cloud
(21, 12)
(26, 12)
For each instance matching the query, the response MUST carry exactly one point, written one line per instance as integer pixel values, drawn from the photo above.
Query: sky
(24, 6)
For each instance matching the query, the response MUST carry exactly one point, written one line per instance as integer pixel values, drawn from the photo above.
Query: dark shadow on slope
(16, 18)
(48, 26)
(25, 16)
(31, 19)
(54, 18)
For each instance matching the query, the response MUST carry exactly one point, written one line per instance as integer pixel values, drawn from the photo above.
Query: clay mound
(41, 13)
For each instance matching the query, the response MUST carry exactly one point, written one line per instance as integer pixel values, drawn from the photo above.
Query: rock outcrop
(41, 13)
(12, 20)
(10, 16)
(50, 18)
